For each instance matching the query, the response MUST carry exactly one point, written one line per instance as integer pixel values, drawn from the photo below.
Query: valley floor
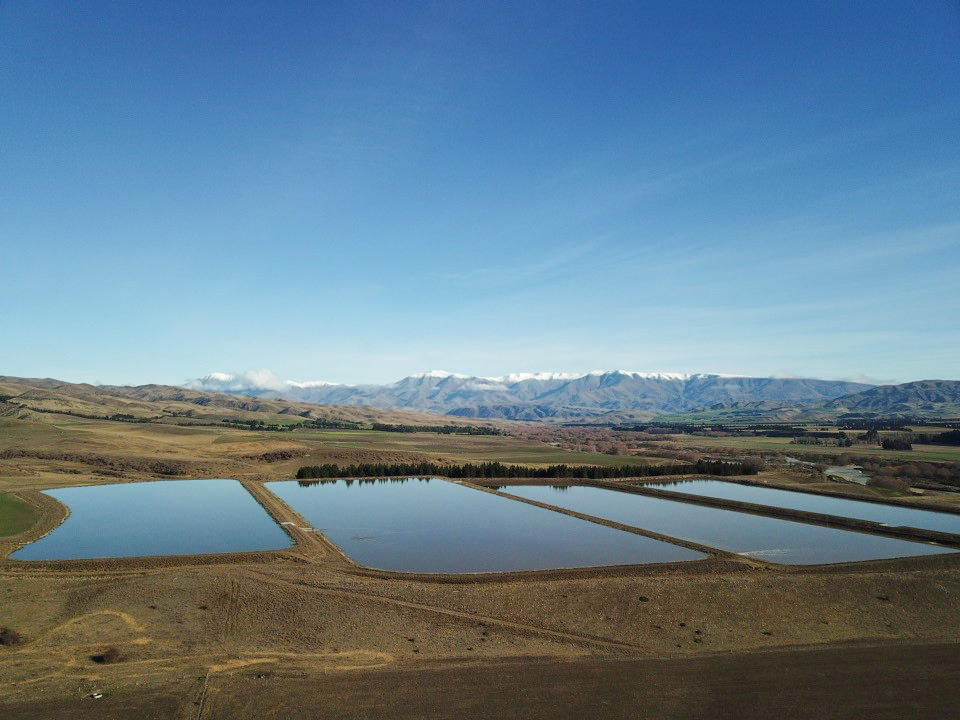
(304, 633)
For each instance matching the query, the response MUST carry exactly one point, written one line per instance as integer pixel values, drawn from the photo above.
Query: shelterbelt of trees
(440, 429)
(499, 470)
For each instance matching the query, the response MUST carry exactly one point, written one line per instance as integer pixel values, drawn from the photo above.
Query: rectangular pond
(436, 526)
(167, 517)
(771, 539)
(810, 502)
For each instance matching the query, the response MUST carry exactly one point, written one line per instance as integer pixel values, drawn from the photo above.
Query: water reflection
(443, 527)
(167, 517)
(782, 541)
(825, 504)
(349, 482)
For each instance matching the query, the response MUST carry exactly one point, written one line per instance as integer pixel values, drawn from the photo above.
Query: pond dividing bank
(775, 540)
(436, 526)
(166, 517)
(825, 504)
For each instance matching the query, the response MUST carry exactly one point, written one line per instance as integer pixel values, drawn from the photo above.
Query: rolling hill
(921, 398)
(34, 398)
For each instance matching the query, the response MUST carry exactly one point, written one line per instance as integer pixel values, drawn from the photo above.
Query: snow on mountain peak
(218, 377)
(516, 377)
(660, 375)
(313, 384)
(440, 374)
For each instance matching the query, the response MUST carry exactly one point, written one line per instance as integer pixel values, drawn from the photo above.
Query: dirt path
(607, 644)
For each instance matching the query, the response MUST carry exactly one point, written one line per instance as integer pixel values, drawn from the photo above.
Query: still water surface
(772, 539)
(809, 502)
(435, 526)
(167, 517)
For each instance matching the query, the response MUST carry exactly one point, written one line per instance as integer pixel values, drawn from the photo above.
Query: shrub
(888, 482)
(896, 444)
(107, 657)
(9, 636)
(752, 465)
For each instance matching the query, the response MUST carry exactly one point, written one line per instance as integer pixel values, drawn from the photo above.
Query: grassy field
(15, 515)
(920, 453)
(460, 448)
(57, 451)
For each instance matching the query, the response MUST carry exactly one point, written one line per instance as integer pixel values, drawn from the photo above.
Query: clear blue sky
(357, 191)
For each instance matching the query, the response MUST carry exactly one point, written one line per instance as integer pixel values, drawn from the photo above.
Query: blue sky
(359, 191)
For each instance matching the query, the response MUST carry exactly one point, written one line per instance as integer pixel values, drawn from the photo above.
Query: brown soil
(892, 681)
(875, 682)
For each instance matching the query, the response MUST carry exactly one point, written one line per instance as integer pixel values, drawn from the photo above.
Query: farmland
(220, 636)
(920, 453)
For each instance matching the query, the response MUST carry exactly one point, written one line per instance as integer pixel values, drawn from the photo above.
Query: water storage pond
(809, 502)
(771, 539)
(435, 526)
(169, 517)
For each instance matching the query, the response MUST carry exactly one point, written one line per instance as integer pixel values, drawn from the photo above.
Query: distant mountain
(537, 396)
(939, 398)
(613, 396)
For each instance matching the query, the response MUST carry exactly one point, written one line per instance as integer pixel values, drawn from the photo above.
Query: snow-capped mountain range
(538, 395)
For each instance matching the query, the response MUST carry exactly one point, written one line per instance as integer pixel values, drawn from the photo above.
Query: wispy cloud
(262, 379)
